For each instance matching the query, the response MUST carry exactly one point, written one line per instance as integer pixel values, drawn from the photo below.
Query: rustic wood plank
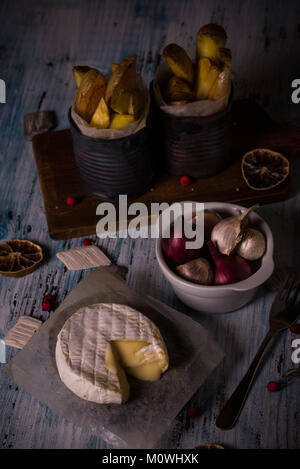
(39, 43)
(59, 177)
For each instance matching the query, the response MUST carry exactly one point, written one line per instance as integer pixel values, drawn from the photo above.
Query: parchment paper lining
(152, 407)
(200, 108)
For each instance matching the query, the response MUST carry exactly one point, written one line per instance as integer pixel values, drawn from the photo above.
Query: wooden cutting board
(59, 178)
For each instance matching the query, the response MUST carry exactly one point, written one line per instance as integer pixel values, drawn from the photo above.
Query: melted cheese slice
(99, 344)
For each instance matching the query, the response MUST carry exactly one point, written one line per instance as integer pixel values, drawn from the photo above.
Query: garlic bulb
(228, 233)
(252, 246)
(196, 271)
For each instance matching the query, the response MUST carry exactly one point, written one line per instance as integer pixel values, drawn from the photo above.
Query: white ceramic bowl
(221, 298)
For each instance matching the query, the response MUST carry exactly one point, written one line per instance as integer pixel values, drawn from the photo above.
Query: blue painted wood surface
(40, 41)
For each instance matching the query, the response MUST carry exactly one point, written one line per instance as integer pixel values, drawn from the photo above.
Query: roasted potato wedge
(101, 117)
(224, 58)
(207, 74)
(78, 73)
(178, 90)
(179, 62)
(210, 39)
(124, 76)
(136, 103)
(89, 93)
(221, 86)
(120, 100)
(119, 121)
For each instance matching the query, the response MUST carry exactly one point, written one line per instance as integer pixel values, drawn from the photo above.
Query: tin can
(108, 168)
(196, 146)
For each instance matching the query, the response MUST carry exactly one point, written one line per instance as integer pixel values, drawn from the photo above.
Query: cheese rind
(99, 343)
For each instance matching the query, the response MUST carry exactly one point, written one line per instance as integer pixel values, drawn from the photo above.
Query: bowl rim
(255, 280)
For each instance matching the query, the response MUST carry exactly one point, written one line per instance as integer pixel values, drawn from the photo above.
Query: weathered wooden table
(39, 43)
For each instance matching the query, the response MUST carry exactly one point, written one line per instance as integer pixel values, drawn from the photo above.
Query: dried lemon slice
(19, 257)
(264, 169)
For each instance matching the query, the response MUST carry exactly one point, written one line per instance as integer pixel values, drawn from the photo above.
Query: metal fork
(283, 313)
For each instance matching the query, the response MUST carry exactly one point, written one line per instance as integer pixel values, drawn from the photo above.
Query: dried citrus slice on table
(264, 169)
(19, 257)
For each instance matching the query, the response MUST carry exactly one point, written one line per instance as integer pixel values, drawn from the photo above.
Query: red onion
(174, 248)
(229, 269)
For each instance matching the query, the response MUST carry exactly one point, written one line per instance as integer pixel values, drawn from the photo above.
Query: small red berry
(185, 181)
(48, 298)
(86, 242)
(46, 306)
(71, 201)
(295, 328)
(273, 386)
(193, 411)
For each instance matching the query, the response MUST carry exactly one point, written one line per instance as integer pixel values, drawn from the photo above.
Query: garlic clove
(196, 271)
(228, 233)
(252, 246)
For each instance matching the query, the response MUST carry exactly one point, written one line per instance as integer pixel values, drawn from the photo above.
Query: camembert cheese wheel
(100, 343)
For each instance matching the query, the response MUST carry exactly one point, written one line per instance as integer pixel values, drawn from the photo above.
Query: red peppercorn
(295, 328)
(185, 181)
(86, 242)
(48, 298)
(71, 201)
(193, 411)
(273, 386)
(46, 306)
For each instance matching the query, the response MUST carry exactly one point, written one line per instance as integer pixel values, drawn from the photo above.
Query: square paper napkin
(152, 407)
